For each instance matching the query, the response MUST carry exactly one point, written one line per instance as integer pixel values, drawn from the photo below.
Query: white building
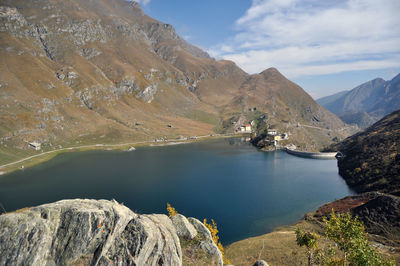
(272, 132)
(35, 145)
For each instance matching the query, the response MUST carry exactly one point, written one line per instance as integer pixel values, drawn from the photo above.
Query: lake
(246, 191)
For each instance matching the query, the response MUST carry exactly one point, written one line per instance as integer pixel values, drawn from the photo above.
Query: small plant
(310, 241)
(214, 234)
(171, 210)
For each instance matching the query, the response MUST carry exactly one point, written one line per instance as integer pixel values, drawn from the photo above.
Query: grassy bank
(279, 247)
(43, 156)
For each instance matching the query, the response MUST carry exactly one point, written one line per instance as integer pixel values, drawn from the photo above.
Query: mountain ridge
(84, 72)
(366, 103)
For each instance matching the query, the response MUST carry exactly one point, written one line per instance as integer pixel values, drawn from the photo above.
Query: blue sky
(324, 46)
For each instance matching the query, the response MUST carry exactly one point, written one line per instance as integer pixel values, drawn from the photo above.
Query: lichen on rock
(87, 232)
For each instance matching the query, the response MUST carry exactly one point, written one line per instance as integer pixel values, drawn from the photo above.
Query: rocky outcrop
(260, 263)
(94, 232)
(148, 93)
(183, 227)
(89, 232)
(200, 227)
(381, 217)
(206, 243)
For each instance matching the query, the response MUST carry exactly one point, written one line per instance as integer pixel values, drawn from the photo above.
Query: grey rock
(11, 20)
(89, 52)
(60, 76)
(200, 228)
(260, 263)
(86, 31)
(127, 85)
(183, 227)
(88, 232)
(207, 244)
(148, 93)
(72, 75)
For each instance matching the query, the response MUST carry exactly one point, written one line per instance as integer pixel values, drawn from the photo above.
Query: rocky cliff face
(97, 232)
(371, 158)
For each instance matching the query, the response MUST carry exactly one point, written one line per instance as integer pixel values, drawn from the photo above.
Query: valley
(107, 113)
(116, 75)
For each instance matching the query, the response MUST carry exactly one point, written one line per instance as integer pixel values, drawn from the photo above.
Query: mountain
(287, 107)
(86, 72)
(366, 103)
(371, 158)
(331, 98)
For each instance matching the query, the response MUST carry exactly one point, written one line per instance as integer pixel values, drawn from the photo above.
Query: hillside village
(274, 139)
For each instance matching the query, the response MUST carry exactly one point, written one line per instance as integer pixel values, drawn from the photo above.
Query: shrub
(171, 210)
(350, 239)
(214, 233)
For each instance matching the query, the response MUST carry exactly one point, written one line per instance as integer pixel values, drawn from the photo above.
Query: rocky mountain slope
(100, 232)
(367, 103)
(87, 72)
(371, 158)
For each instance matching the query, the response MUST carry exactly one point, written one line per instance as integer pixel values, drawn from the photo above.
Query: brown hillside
(85, 72)
(371, 158)
(289, 109)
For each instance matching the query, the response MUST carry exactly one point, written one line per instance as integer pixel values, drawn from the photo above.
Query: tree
(310, 241)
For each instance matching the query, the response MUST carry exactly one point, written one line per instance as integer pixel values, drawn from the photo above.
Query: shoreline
(48, 155)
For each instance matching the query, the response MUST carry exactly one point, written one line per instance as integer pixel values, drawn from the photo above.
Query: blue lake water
(247, 192)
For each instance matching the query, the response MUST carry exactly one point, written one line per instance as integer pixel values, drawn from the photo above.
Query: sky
(324, 46)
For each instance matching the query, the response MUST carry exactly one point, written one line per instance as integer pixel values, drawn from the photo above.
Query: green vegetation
(202, 116)
(371, 157)
(351, 246)
(260, 120)
(310, 241)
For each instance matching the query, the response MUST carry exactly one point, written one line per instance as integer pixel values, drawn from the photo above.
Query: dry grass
(276, 248)
(193, 255)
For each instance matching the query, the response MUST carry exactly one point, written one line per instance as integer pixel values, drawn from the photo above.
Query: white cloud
(315, 37)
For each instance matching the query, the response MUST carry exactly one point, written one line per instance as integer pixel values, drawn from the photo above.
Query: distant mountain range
(85, 72)
(365, 104)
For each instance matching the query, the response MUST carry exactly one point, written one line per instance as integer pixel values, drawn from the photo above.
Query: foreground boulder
(87, 232)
